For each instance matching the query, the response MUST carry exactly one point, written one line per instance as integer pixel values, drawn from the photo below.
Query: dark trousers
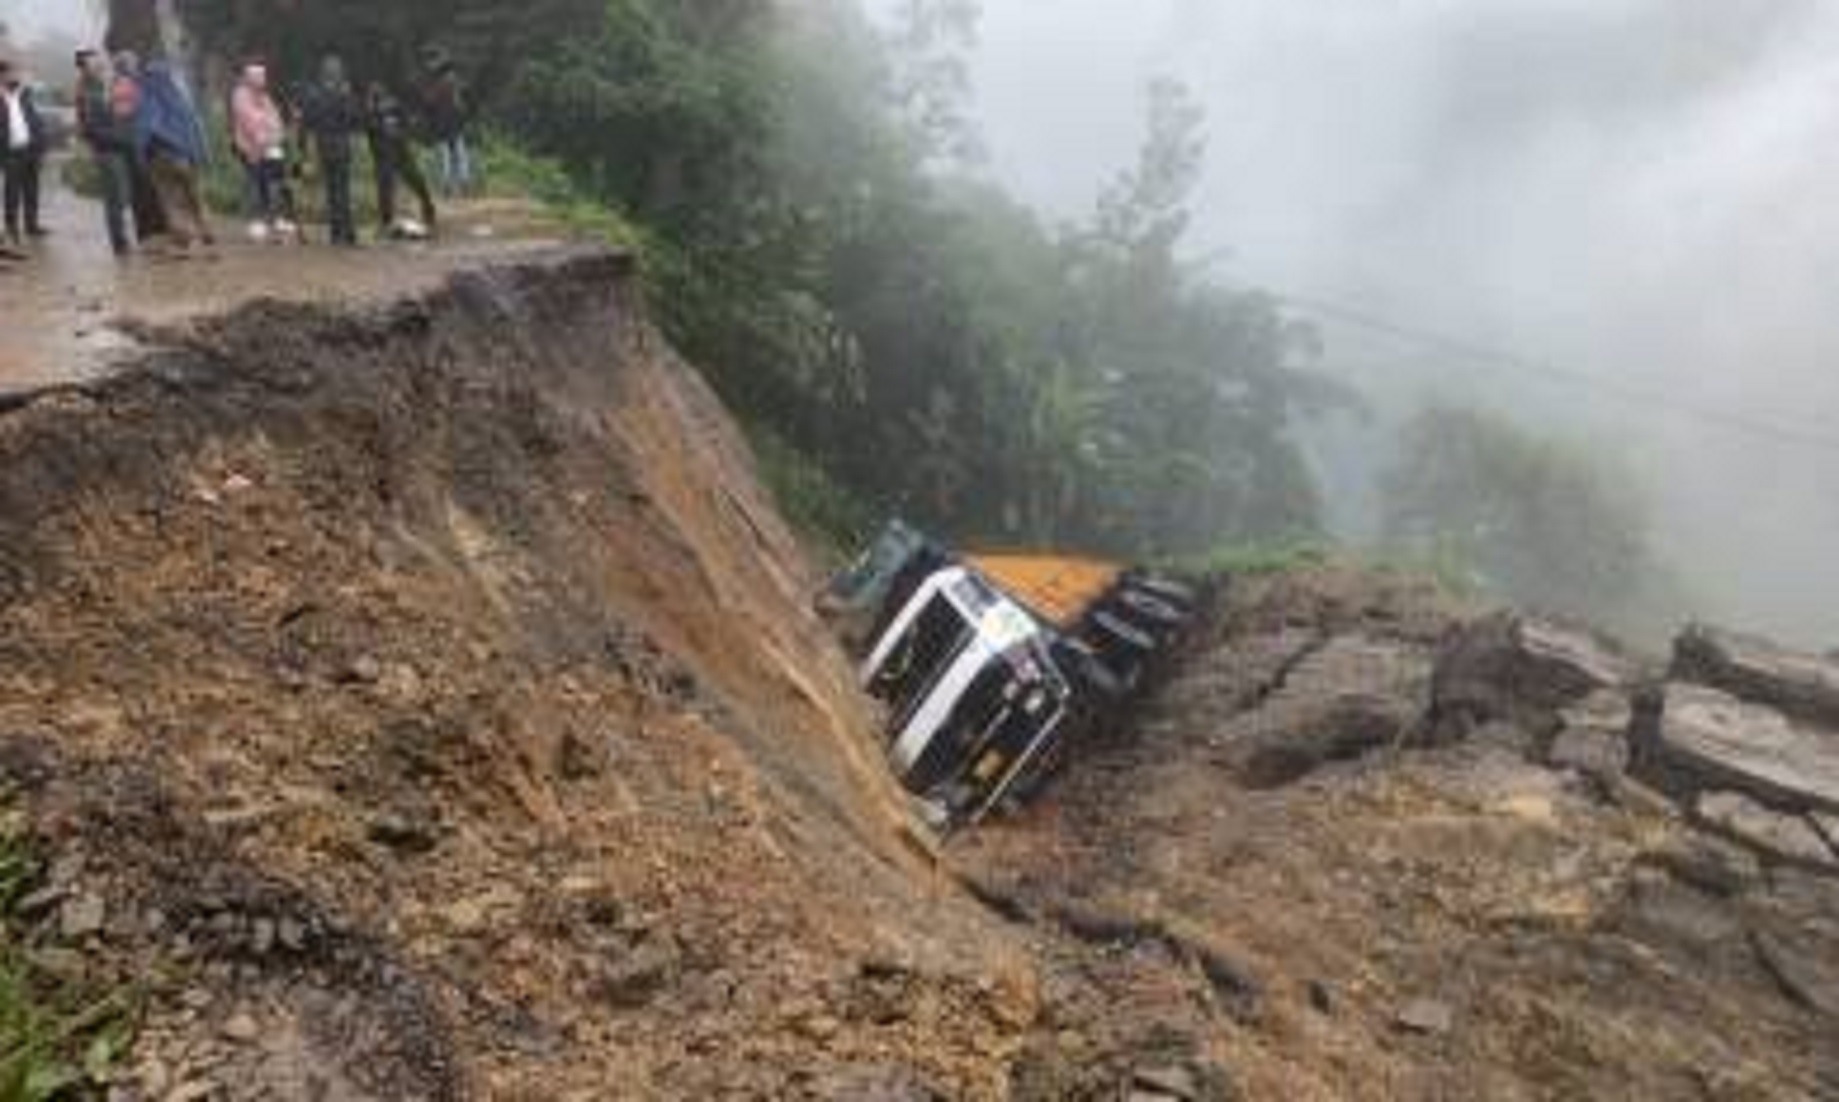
(338, 200)
(22, 172)
(396, 160)
(274, 196)
(144, 201)
(117, 181)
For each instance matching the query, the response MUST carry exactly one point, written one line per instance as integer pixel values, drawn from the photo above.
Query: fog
(1641, 192)
(32, 19)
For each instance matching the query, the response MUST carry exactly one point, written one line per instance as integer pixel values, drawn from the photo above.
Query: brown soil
(430, 698)
(1267, 879)
(457, 637)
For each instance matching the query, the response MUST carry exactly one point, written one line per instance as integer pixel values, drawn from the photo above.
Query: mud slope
(422, 700)
(1371, 846)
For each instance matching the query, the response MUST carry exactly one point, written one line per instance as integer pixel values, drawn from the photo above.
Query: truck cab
(989, 666)
(974, 695)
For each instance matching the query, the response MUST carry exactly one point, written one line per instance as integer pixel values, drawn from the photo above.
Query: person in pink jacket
(259, 132)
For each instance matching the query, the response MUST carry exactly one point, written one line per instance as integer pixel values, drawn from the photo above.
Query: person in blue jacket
(169, 140)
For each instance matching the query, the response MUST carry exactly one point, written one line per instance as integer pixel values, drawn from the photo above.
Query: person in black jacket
(22, 153)
(392, 150)
(331, 115)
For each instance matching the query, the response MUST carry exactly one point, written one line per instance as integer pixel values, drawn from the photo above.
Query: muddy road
(65, 308)
(415, 694)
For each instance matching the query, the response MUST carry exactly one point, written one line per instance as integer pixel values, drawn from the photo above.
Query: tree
(1535, 520)
(931, 79)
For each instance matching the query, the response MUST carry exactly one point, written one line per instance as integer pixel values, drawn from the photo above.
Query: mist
(30, 20)
(1635, 191)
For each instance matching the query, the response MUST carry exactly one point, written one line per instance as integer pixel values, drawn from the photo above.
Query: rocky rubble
(1746, 734)
(1425, 837)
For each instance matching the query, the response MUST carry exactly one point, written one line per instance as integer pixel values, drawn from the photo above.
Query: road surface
(61, 310)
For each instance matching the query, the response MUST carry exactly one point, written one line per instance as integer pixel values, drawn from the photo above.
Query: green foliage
(1539, 521)
(1252, 559)
(511, 171)
(58, 1038)
(827, 514)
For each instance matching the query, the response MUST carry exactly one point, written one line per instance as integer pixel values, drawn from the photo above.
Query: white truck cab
(973, 694)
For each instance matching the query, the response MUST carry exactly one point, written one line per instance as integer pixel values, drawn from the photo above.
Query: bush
(1536, 520)
(59, 1038)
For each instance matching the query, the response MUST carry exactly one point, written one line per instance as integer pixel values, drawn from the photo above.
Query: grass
(1254, 559)
(59, 1037)
(826, 515)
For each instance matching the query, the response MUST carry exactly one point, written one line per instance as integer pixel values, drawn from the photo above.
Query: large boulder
(1803, 686)
(1694, 738)
(1512, 669)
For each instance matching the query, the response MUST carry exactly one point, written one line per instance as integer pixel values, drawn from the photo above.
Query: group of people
(149, 149)
(330, 114)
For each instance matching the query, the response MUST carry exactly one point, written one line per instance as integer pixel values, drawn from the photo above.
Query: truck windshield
(921, 655)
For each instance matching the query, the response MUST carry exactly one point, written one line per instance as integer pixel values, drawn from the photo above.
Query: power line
(1507, 362)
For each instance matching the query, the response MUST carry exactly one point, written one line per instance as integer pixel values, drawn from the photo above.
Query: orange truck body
(1058, 589)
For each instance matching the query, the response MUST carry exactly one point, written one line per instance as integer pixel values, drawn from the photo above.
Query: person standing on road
(22, 153)
(110, 146)
(330, 116)
(444, 107)
(260, 134)
(392, 151)
(125, 104)
(169, 140)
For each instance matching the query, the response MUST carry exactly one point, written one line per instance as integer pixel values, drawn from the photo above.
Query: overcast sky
(30, 18)
(1643, 190)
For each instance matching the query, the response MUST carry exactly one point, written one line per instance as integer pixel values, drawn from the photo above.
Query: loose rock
(1803, 686)
(1788, 836)
(403, 835)
(242, 1028)
(1521, 671)
(1705, 738)
(1426, 1016)
(1174, 1081)
(81, 917)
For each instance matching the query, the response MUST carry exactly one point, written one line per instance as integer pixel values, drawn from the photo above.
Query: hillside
(418, 697)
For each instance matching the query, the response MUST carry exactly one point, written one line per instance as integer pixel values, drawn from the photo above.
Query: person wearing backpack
(110, 146)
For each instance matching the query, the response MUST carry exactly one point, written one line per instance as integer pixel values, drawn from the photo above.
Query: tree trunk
(151, 28)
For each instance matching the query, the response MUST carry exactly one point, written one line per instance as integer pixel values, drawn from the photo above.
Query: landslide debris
(1373, 844)
(424, 701)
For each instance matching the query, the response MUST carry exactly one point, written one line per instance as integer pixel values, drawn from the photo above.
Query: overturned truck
(991, 666)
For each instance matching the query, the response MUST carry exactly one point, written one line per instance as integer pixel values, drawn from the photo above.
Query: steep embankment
(426, 699)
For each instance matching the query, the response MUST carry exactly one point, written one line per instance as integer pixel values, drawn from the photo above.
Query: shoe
(38, 231)
(258, 232)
